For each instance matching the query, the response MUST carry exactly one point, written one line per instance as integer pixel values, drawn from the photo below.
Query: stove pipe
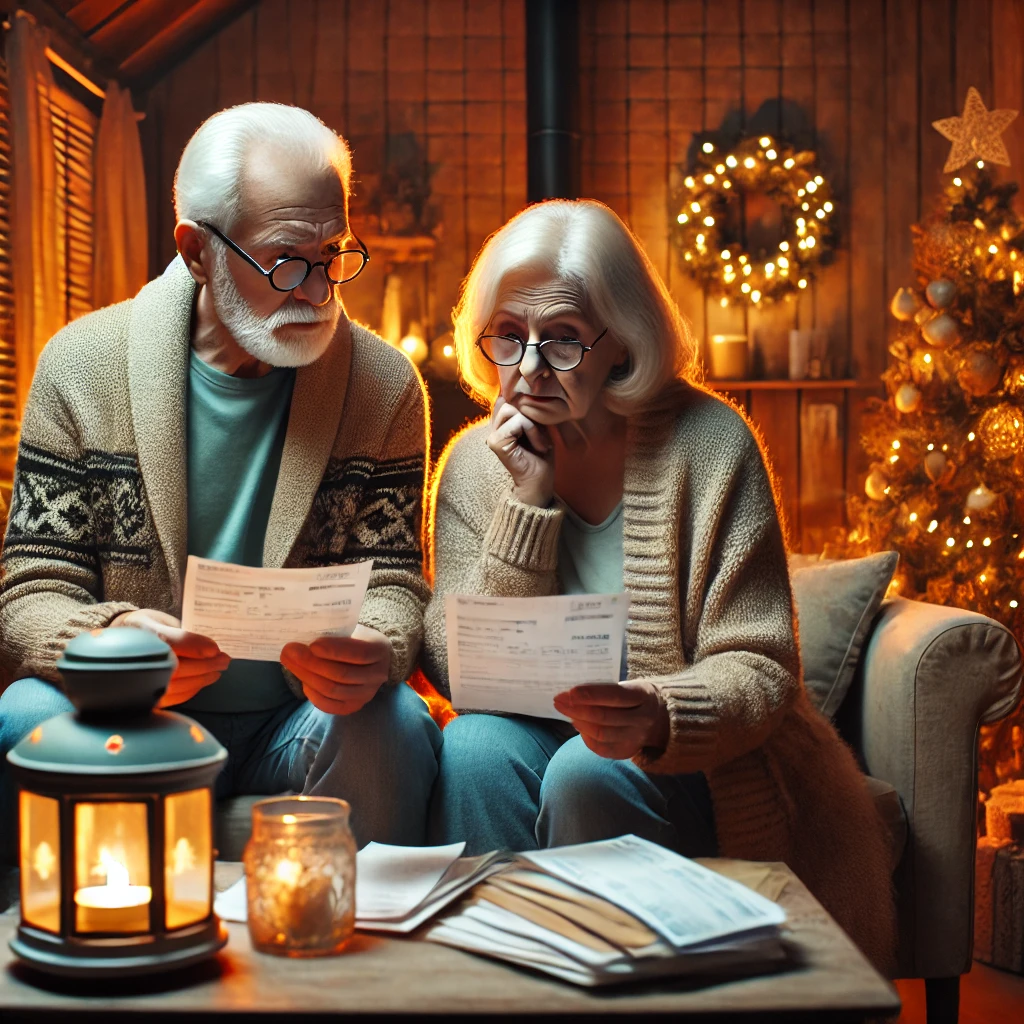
(552, 99)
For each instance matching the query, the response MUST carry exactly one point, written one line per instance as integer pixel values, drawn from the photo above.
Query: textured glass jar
(300, 876)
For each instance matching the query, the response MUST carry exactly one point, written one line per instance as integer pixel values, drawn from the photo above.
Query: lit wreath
(789, 177)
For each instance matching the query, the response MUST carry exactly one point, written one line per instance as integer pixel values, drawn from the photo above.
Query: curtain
(121, 243)
(37, 270)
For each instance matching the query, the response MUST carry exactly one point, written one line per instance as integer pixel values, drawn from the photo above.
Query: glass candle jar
(300, 876)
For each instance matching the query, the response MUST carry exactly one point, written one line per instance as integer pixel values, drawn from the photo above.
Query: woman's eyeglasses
(559, 353)
(287, 274)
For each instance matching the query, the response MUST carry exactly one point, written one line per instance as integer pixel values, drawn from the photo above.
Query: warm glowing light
(812, 186)
(288, 871)
(749, 163)
(755, 295)
(726, 254)
(810, 242)
(289, 819)
(783, 262)
(709, 222)
(708, 148)
(726, 183)
(993, 248)
(709, 179)
(981, 164)
(927, 357)
(967, 520)
(764, 141)
(912, 517)
(827, 207)
(896, 445)
(728, 268)
(982, 578)
(682, 218)
(950, 542)
(44, 860)
(747, 268)
(802, 283)
(743, 258)
(771, 154)
(789, 164)
(744, 287)
(894, 458)
(720, 169)
(448, 351)
(933, 526)
(987, 542)
(783, 246)
(695, 207)
(723, 302)
(769, 269)
(688, 256)
(970, 544)
(689, 182)
(805, 206)
(700, 239)
(945, 447)
(957, 182)
(1013, 604)
(731, 160)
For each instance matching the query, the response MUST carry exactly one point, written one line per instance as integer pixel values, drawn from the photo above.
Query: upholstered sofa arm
(929, 677)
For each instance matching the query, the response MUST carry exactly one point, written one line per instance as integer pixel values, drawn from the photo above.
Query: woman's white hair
(211, 173)
(580, 243)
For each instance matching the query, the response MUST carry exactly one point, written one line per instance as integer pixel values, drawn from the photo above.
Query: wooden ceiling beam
(132, 28)
(173, 43)
(87, 14)
(70, 43)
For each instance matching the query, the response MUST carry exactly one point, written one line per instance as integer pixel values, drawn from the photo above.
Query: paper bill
(253, 612)
(513, 654)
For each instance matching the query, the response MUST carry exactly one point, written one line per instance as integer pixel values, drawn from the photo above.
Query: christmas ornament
(905, 304)
(908, 398)
(715, 189)
(941, 292)
(1013, 380)
(1000, 430)
(935, 465)
(923, 315)
(976, 134)
(980, 499)
(979, 373)
(941, 330)
(876, 485)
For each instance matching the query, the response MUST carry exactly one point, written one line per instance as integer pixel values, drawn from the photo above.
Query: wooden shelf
(816, 384)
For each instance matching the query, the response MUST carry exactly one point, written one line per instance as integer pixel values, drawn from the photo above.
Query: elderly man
(232, 411)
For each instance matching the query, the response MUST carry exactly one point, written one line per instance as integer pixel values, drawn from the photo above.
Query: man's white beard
(269, 339)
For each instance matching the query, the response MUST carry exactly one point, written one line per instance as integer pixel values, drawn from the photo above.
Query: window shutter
(74, 134)
(8, 383)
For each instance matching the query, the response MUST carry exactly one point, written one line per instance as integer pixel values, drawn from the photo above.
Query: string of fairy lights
(706, 231)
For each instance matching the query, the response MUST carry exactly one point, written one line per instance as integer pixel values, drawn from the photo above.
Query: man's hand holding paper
(340, 675)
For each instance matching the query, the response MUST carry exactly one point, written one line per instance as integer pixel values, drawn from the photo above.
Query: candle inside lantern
(116, 906)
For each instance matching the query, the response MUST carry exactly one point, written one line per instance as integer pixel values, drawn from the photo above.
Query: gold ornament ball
(941, 331)
(1001, 430)
(907, 398)
(1013, 379)
(935, 465)
(940, 293)
(979, 373)
(875, 485)
(980, 499)
(905, 304)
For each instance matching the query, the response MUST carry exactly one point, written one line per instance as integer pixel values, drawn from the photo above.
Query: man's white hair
(211, 173)
(583, 244)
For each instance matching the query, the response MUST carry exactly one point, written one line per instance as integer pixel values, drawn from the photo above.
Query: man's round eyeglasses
(559, 353)
(288, 273)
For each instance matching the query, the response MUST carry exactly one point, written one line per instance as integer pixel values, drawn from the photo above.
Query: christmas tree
(945, 486)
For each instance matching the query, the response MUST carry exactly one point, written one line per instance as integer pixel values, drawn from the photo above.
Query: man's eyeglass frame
(310, 267)
(539, 346)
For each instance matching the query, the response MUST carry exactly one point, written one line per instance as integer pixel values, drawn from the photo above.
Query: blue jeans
(521, 784)
(382, 759)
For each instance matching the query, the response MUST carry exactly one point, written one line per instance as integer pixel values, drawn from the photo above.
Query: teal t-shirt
(590, 558)
(236, 428)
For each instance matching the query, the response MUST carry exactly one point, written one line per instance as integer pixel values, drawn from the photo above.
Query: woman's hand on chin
(617, 720)
(524, 449)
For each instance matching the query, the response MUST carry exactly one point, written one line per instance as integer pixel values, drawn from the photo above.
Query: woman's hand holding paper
(617, 720)
(340, 675)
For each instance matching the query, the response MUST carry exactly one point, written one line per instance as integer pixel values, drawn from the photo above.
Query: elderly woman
(603, 468)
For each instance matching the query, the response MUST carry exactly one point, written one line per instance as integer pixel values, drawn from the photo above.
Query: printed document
(514, 654)
(253, 612)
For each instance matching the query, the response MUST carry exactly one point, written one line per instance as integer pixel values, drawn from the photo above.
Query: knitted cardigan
(98, 519)
(711, 624)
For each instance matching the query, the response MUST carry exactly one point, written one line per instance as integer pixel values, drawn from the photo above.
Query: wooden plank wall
(860, 80)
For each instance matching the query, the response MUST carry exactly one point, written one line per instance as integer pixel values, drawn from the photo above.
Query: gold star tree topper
(976, 134)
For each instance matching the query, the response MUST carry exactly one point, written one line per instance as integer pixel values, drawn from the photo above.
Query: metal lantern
(115, 806)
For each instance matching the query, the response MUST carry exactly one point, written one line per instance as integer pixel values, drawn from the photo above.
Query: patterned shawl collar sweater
(98, 519)
(711, 624)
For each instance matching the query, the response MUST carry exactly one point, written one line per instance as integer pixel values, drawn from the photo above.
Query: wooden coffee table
(832, 981)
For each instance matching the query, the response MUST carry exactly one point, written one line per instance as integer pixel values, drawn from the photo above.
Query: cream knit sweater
(711, 623)
(98, 518)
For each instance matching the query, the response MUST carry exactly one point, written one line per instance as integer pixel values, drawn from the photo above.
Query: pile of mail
(615, 911)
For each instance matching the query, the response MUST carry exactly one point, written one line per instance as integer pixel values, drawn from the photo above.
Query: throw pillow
(835, 604)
